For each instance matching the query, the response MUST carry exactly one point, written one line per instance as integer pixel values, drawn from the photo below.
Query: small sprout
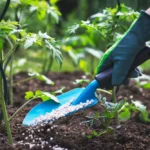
(80, 81)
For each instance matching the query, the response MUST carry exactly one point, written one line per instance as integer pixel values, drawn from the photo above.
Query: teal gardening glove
(122, 54)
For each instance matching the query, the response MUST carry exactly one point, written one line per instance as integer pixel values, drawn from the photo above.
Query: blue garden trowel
(102, 80)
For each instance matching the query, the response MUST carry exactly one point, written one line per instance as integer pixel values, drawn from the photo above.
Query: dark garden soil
(70, 132)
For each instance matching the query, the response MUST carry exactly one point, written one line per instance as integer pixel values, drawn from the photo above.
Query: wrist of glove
(122, 54)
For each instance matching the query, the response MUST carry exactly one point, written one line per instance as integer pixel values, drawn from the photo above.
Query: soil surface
(71, 133)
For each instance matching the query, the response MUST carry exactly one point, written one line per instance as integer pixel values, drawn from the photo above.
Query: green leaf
(96, 53)
(44, 78)
(43, 35)
(33, 8)
(54, 15)
(16, 1)
(41, 77)
(98, 15)
(89, 136)
(55, 52)
(73, 29)
(30, 40)
(76, 57)
(29, 95)
(6, 27)
(95, 133)
(145, 84)
(144, 116)
(38, 93)
(47, 96)
(124, 115)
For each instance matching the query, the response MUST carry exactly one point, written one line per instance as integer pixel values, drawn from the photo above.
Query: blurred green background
(83, 30)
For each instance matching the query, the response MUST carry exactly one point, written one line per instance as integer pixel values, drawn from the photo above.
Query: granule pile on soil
(70, 133)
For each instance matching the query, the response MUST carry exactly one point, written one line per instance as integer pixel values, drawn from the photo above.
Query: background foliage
(83, 30)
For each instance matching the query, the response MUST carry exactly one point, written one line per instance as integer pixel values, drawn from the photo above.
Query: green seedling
(44, 96)
(145, 84)
(143, 81)
(40, 94)
(124, 111)
(81, 81)
(9, 32)
(138, 108)
(106, 117)
(35, 75)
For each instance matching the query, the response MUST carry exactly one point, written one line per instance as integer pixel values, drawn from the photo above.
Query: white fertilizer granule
(60, 112)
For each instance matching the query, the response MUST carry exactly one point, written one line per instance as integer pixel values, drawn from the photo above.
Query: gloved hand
(122, 54)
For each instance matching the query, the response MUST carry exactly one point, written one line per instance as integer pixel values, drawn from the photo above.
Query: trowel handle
(104, 78)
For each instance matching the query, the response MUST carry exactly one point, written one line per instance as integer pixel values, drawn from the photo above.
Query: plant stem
(92, 65)
(44, 63)
(11, 81)
(115, 101)
(9, 53)
(2, 101)
(105, 91)
(50, 62)
(24, 80)
(18, 110)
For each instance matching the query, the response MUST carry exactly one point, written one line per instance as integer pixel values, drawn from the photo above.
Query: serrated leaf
(30, 40)
(55, 52)
(43, 35)
(29, 95)
(73, 29)
(54, 15)
(76, 57)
